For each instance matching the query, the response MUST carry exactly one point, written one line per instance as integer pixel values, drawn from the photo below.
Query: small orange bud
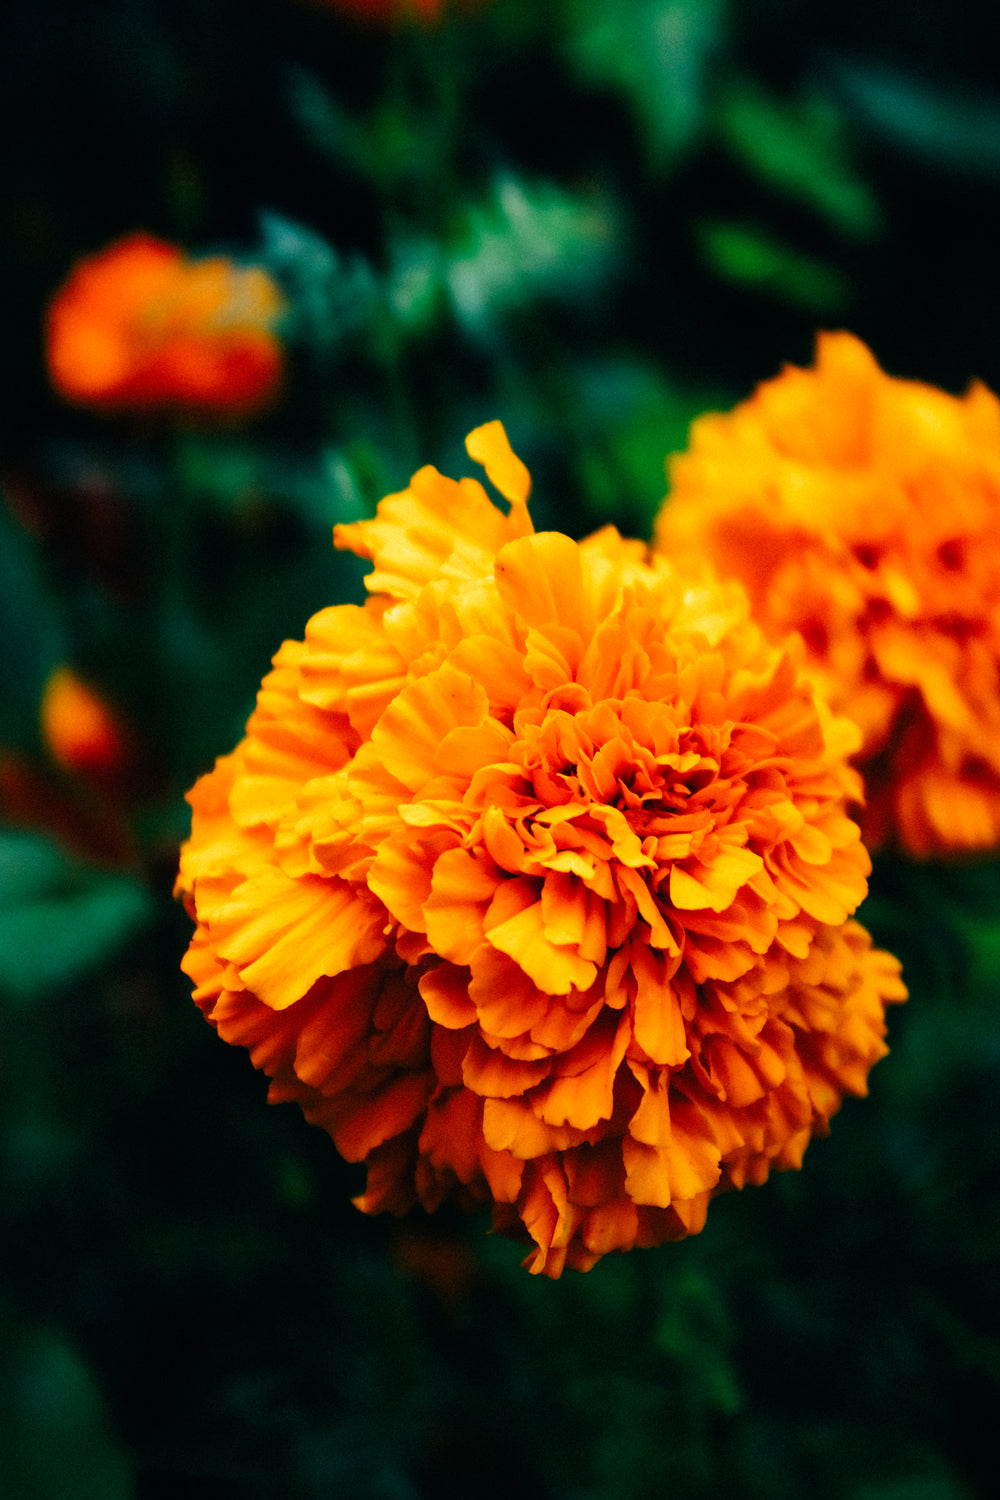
(80, 731)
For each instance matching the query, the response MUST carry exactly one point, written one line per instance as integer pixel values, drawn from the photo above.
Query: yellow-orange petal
(411, 730)
(521, 935)
(462, 886)
(657, 1018)
(283, 934)
(540, 579)
(490, 446)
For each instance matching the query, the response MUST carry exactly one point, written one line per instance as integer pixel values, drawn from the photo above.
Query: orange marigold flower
(139, 326)
(80, 730)
(531, 880)
(864, 512)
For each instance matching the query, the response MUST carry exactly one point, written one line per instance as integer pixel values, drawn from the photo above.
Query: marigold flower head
(140, 326)
(864, 512)
(531, 880)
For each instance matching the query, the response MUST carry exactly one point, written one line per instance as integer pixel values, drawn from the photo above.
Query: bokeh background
(592, 220)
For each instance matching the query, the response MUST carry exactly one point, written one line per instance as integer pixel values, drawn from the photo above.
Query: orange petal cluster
(139, 326)
(531, 880)
(864, 512)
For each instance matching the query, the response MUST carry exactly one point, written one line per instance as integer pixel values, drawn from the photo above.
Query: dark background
(593, 221)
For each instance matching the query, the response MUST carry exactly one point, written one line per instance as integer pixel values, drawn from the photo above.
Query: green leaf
(751, 258)
(53, 1431)
(957, 131)
(799, 148)
(657, 53)
(331, 296)
(932, 1486)
(415, 282)
(221, 470)
(527, 241)
(58, 919)
(693, 1328)
(235, 477)
(630, 418)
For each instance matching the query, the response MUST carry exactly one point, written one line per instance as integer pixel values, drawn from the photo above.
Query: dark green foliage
(593, 220)
(58, 919)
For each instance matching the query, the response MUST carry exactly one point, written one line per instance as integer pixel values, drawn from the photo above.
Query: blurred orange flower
(864, 513)
(388, 10)
(140, 326)
(531, 880)
(425, 11)
(81, 796)
(80, 730)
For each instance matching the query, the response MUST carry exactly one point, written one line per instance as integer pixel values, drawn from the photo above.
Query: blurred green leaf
(330, 296)
(754, 259)
(918, 1487)
(630, 418)
(236, 476)
(320, 116)
(799, 148)
(58, 919)
(657, 53)
(693, 1328)
(223, 471)
(958, 130)
(416, 281)
(54, 1439)
(403, 139)
(527, 241)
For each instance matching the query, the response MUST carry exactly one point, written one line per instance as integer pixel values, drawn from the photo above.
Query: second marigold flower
(531, 880)
(864, 512)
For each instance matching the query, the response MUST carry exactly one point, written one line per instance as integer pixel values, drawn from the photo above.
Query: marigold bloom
(864, 512)
(139, 326)
(531, 880)
(80, 730)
